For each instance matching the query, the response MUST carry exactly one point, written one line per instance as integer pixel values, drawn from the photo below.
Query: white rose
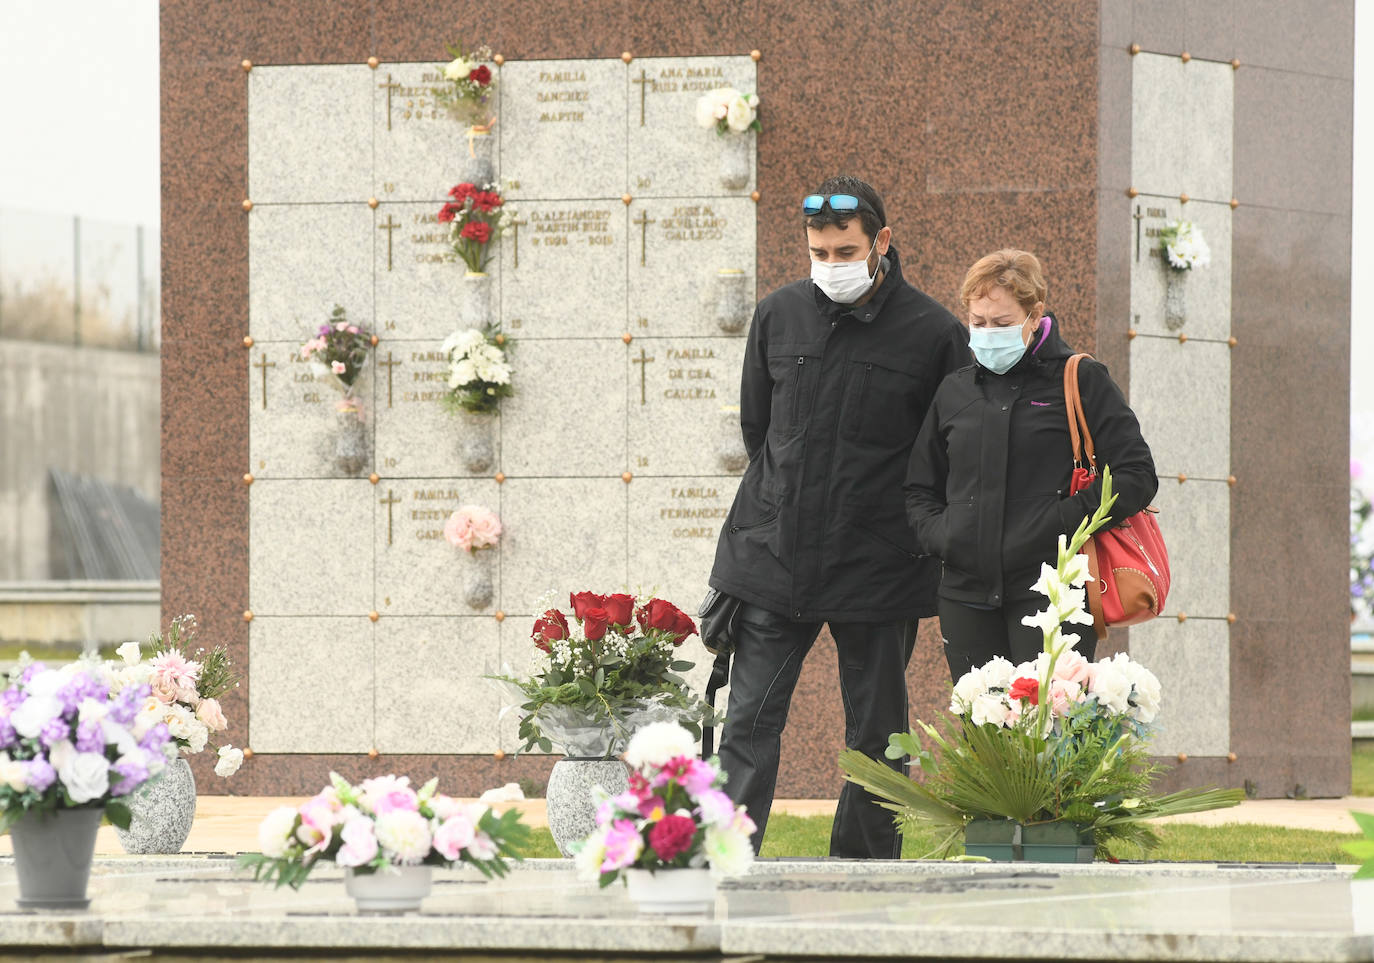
(277, 831)
(706, 111)
(13, 774)
(1110, 685)
(230, 759)
(86, 776)
(196, 737)
(130, 652)
(458, 69)
(34, 713)
(739, 115)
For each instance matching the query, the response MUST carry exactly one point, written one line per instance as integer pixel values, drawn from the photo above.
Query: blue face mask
(997, 349)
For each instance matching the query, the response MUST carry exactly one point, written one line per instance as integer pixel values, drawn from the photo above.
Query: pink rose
(1072, 667)
(453, 836)
(472, 527)
(338, 367)
(400, 799)
(210, 713)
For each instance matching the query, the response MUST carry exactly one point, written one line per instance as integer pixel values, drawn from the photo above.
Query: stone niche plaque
(626, 286)
(1181, 122)
(1204, 293)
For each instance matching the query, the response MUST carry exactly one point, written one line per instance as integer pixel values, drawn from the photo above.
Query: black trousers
(768, 659)
(974, 636)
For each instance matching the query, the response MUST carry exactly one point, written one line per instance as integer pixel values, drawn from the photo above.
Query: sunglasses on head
(839, 203)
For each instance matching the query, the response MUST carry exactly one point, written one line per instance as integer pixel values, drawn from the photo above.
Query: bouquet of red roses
(610, 669)
(476, 216)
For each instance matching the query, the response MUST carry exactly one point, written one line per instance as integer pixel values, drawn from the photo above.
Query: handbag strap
(1078, 419)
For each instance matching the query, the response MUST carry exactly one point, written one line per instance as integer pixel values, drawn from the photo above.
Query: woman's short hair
(1017, 271)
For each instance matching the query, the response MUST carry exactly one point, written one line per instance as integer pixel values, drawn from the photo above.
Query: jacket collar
(890, 264)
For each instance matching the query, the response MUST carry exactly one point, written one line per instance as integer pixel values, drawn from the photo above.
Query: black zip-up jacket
(831, 399)
(987, 487)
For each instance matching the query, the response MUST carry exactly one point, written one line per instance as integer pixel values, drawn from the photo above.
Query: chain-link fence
(76, 280)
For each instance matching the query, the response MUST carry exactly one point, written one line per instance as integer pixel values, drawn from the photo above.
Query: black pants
(768, 660)
(974, 636)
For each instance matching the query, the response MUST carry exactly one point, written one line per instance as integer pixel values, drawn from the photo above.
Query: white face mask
(844, 282)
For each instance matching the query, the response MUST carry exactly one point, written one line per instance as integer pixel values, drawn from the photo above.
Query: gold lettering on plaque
(694, 222)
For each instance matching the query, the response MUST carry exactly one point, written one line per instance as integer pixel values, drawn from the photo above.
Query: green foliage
(118, 814)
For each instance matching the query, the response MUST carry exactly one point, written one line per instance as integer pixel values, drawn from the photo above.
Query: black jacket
(831, 399)
(987, 488)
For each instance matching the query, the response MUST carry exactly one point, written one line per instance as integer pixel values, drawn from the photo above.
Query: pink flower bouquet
(473, 527)
(379, 823)
(673, 816)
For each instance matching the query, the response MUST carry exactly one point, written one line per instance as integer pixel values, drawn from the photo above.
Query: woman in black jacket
(987, 486)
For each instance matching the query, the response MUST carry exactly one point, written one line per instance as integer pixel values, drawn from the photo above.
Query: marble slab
(420, 148)
(309, 550)
(303, 259)
(421, 284)
(562, 128)
(310, 133)
(678, 249)
(431, 697)
(669, 154)
(292, 412)
(1192, 660)
(418, 571)
(312, 684)
(1182, 117)
(568, 414)
(1195, 518)
(1182, 395)
(1206, 290)
(562, 535)
(563, 269)
(687, 390)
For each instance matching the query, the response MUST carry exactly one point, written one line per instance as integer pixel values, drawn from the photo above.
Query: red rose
(487, 201)
(478, 231)
(481, 75)
(620, 608)
(667, 617)
(1024, 688)
(582, 601)
(594, 622)
(462, 192)
(672, 836)
(551, 627)
(448, 212)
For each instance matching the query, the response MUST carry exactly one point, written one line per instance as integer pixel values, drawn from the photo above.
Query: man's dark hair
(844, 184)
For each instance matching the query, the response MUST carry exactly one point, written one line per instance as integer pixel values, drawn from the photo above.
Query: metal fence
(77, 280)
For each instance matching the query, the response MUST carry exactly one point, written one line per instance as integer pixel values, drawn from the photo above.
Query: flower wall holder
(478, 167)
(733, 304)
(734, 161)
(477, 445)
(479, 584)
(1175, 298)
(350, 436)
(731, 454)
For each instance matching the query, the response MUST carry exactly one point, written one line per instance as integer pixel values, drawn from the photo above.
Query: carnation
(658, 743)
(404, 835)
(230, 759)
(728, 851)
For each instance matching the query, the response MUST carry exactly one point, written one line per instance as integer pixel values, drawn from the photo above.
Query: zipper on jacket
(762, 521)
(796, 395)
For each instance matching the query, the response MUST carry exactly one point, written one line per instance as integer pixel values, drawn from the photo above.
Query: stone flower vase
(477, 444)
(731, 454)
(733, 304)
(1175, 298)
(571, 808)
(350, 434)
(734, 161)
(162, 810)
(478, 146)
(479, 588)
(52, 857)
(395, 889)
(674, 890)
(475, 308)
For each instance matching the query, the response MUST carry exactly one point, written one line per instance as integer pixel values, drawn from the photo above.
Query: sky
(87, 117)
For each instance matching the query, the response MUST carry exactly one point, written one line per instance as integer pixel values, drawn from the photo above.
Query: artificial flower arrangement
(728, 111)
(471, 94)
(472, 528)
(184, 690)
(476, 216)
(1184, 246)
(339, 351)
(609, 671)
(383, 823)
(1057, 739)
(1361, 551)
(673, 816)
(478, 372)
(67, 741)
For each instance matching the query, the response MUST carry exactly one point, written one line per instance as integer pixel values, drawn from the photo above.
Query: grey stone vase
(571, 806)
(477, 152)
(52, 857)
(350, 441)
(733, 304)
(731, 454)
(734, 161)
(1175, 298)
(163, 810)
(477, 443)
(479, 587)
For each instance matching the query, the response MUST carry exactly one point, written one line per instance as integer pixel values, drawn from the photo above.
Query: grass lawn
(810, 836)
(1362, 772)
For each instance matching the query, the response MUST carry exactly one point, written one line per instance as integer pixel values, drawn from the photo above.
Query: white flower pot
(161, 811)
(734, 161)
(395, 889)
(571, 808)
(671, 890)
(477, 153)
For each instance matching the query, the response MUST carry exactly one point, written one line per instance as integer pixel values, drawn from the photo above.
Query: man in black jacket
(838, 372)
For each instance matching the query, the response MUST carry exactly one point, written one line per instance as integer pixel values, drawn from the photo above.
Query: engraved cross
(390, 86)
(515, 238)
(388, 501)
(264, 364)
(644, 360)
(389, 227)
(388, 364)
(644, 220)
(1136, 217)
(644, 82)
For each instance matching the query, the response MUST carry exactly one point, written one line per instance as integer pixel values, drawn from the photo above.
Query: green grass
(1362, 772)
